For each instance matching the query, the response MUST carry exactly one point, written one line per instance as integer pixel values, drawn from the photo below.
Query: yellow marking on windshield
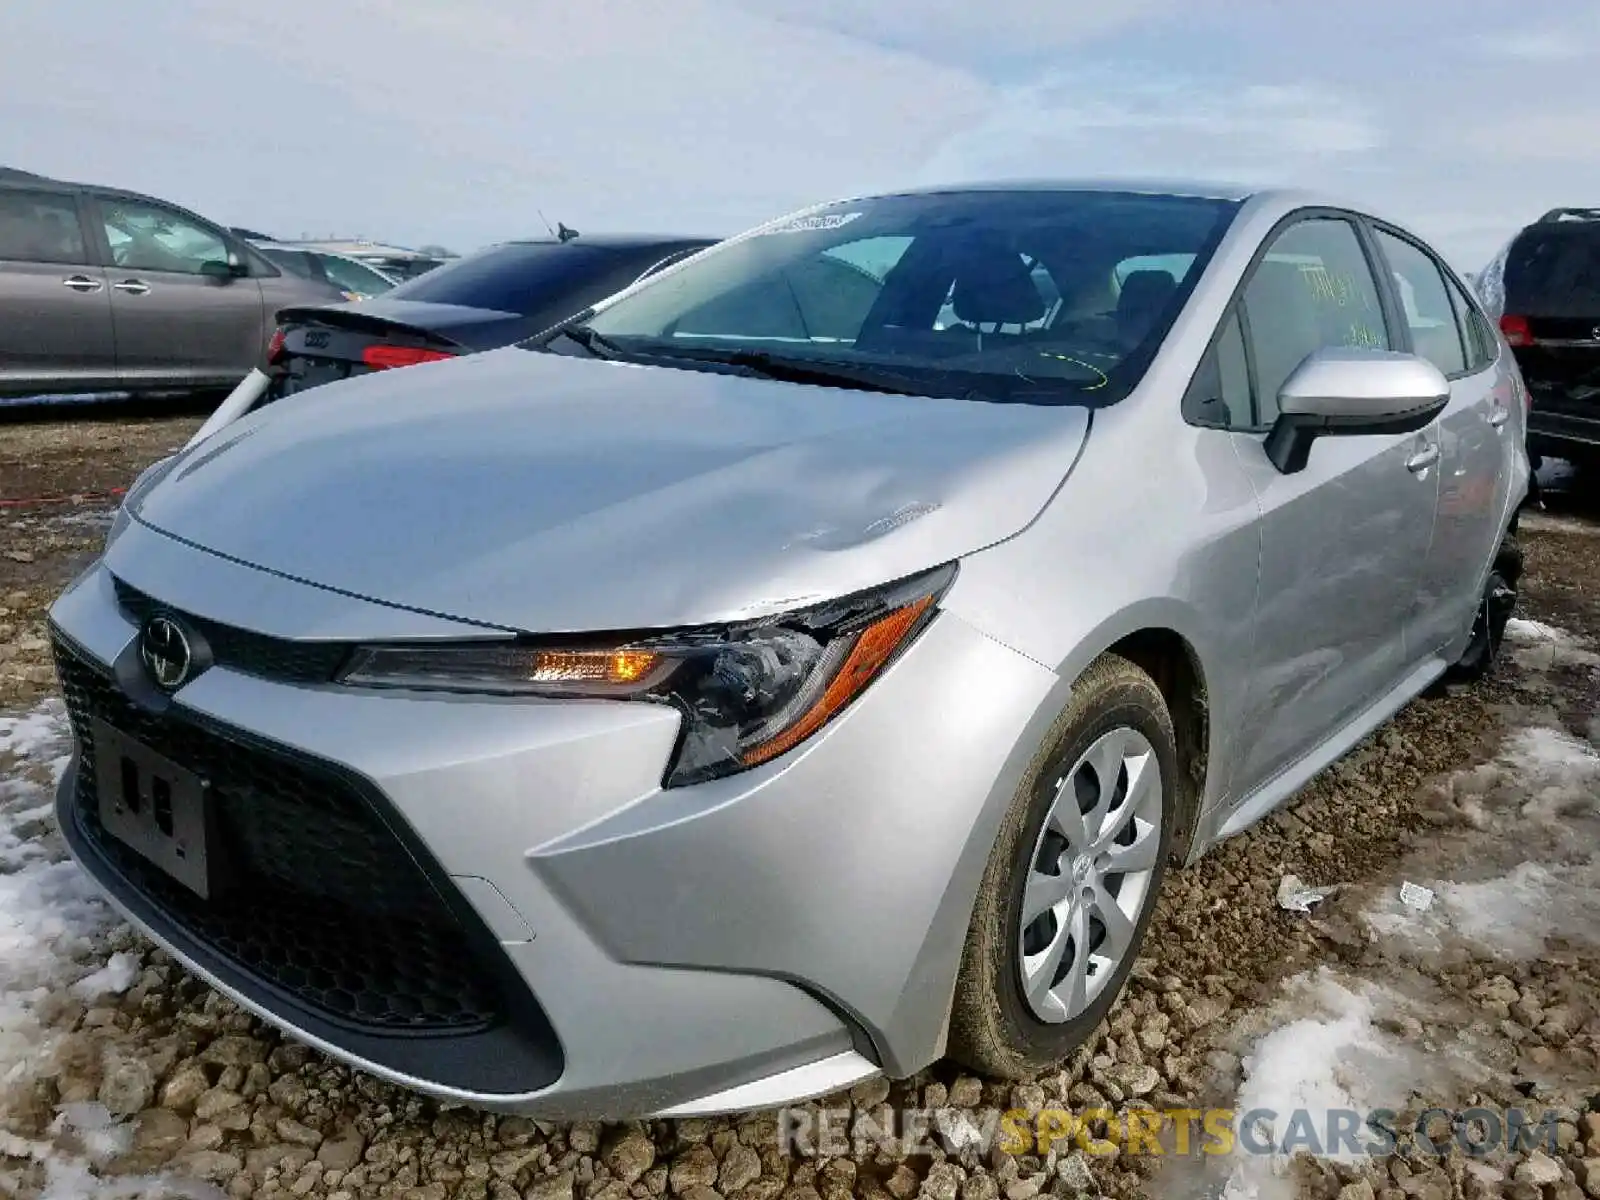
(1087, 366)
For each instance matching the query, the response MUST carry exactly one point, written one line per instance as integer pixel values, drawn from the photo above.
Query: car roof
(1153, 186)
(1256, 196)
(616, 241)
(1563, 222)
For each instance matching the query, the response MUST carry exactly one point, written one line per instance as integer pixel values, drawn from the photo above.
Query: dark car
(107, 290)
(1546, 288)
(498, 296)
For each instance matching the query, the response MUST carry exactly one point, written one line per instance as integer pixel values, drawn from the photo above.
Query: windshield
(1046, 296)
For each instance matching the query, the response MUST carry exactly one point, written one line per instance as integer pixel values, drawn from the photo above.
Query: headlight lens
(748, 693)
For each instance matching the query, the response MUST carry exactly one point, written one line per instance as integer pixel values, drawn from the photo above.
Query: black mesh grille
(324, 903)
(254, 653)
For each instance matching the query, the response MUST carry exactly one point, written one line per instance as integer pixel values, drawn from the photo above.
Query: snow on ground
(1540, 647)
(56, 937)
(1538, 801)
(1324, 1053)
(1515, 876)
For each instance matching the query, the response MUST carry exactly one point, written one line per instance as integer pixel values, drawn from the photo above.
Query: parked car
(493, 298)
(109, 290)
(753, 686)
(354, 278)
(1545, 290)
(397, 261)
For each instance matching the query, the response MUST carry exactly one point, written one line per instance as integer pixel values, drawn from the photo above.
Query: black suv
(1546, 287)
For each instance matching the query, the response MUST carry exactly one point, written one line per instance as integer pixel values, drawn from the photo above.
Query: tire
(1495, 607)
(995, 1028)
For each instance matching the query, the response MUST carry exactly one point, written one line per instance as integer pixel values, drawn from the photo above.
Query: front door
(181, 319)
(1342, 541)
(55, 313)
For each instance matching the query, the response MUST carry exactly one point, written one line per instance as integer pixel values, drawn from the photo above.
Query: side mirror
(1352, 391)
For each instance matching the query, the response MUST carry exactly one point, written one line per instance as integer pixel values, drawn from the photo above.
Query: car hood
(544, 493)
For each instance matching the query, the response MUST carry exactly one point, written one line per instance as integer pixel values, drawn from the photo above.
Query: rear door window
(41, 227)
(1176, 265)
(1475, 331)
(1425, 303)
(1553, 270)
(516, 278)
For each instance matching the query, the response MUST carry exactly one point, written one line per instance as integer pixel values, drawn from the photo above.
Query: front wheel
(1495, 606)
(1071, 882)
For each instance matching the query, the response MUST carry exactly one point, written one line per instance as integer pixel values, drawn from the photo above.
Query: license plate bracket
(158, 809)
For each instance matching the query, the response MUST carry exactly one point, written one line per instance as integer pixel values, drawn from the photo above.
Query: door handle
(1423, 459)
(1499, 415)
(134, 287)
(82, 283)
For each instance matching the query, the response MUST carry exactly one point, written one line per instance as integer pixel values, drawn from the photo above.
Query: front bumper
(600, 947)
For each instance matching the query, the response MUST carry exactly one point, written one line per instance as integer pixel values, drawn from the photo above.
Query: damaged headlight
(748, 692)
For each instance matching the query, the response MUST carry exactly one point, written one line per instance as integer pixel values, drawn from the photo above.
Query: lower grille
(324, 903)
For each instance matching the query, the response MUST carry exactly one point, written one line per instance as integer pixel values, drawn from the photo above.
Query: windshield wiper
(595, 343)
(811, 370)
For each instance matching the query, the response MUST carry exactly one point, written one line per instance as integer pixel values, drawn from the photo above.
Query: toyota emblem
(165, 651)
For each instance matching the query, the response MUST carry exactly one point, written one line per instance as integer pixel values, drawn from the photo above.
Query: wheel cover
(1090, 875)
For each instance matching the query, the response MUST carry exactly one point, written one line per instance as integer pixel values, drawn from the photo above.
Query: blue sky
(427, 120)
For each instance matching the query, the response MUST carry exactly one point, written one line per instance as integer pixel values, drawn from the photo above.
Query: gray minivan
(109, 290)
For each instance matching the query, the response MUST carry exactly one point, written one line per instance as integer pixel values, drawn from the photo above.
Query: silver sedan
(803, 665)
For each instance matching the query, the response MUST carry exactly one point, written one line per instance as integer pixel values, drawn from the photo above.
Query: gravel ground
(121, 1076)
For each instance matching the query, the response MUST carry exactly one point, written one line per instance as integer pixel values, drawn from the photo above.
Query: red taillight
(1517, 330)
(381, 358)
(275, 346)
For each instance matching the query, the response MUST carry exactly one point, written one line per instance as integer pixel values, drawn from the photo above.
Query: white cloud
(415, 120)
(961, 30)
(419, 121)
(1548, 44)
(1128, 120)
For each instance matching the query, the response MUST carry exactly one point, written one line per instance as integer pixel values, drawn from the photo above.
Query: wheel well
(1169, 660)
(1508, 558)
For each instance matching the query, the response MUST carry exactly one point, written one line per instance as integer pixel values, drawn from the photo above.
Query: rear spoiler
(356, 322)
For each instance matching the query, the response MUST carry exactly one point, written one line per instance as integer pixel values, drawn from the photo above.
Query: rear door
(55, 312)
(1466, 528)
(181, 318)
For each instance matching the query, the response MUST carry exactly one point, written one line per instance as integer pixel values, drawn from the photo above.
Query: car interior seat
(1142, 300)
